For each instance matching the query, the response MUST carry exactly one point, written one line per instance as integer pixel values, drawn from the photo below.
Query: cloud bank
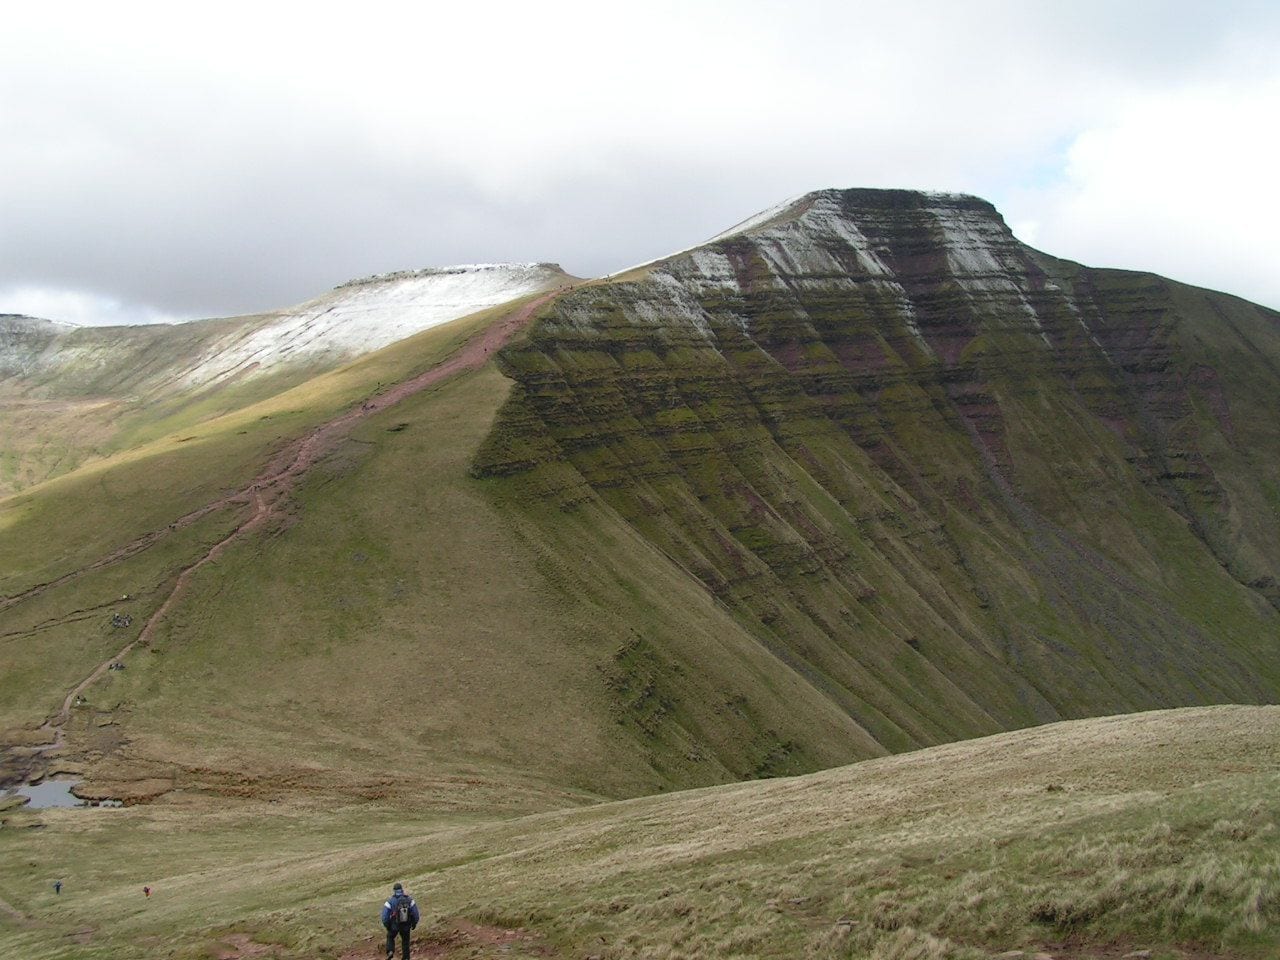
(164, 163)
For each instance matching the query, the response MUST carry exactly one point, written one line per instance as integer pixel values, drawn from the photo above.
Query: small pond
(55, 793)
(50, 793)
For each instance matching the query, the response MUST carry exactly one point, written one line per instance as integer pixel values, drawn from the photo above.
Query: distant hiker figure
(57, 887)
(146, 891)
(399, 915)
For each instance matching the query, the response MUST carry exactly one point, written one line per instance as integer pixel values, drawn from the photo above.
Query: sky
(168, 161)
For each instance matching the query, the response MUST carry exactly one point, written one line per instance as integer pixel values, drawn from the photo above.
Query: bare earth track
(265, 496)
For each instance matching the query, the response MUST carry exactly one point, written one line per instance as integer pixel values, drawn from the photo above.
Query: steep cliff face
(957, 484)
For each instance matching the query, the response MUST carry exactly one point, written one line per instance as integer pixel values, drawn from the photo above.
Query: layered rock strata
(956, 483)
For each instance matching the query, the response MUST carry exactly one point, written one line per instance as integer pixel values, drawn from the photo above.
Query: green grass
(465, 618)
(644, 564)
(79, 517)
(477, 629)
(1153, 831)
(56, 528)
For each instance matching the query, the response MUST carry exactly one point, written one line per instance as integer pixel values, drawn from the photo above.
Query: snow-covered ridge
(834, 239)
(356, 318)
(509, 268)
(756, 220)
(24, 341)
(826, 235)
(761, 218)
(370, 313)
(828, 202)
(20, 321)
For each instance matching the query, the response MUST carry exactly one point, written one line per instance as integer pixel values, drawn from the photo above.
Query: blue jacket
(391, 908)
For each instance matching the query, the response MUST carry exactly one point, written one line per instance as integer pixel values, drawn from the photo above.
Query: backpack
(400, 911)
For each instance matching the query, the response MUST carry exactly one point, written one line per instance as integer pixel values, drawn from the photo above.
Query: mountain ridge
(79, 392)
(851, 480)
(862, 476)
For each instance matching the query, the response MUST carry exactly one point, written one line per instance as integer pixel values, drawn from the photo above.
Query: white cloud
(80, 308)
(209, 163)
(1178, 184)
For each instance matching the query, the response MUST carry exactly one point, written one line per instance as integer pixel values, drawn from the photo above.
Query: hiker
(399, 915)
(57, 887)
(146, 891)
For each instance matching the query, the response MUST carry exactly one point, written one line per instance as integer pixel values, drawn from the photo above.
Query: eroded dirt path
(265, 495)
(458, 937)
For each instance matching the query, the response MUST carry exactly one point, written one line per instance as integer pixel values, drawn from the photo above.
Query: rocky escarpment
(958, 484)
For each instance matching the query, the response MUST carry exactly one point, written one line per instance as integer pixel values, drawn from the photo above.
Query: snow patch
(984, 257)
(367, 314)
(22, 322)
(681, 305)
(972, 244)
(714, 270)
(761, 218)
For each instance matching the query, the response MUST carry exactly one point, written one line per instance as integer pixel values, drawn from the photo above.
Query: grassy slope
(114, 389)
(472, 647)
(1094, 838)
(708, 566)
(757, 597)
(64, 525)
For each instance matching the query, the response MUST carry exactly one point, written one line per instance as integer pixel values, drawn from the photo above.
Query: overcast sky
(168, 161)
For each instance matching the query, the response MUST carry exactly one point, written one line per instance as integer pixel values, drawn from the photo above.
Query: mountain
(861, 475)
(956, 484)
(70, 393)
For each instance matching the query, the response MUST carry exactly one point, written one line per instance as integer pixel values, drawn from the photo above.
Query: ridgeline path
(265, 494)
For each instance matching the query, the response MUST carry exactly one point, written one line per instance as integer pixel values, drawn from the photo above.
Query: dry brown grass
(1157, 830)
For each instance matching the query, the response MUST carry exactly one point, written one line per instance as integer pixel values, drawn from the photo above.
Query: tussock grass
(1158, 831)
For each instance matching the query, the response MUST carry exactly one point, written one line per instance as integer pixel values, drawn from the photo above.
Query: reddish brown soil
(458, 938)
(237, 945)
(14, 914)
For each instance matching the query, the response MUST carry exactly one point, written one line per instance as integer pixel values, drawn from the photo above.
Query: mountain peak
(855, 235)
(853, 201)
(834, 217)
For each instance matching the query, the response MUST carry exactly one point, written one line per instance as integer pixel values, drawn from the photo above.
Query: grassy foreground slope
(1085, 839)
